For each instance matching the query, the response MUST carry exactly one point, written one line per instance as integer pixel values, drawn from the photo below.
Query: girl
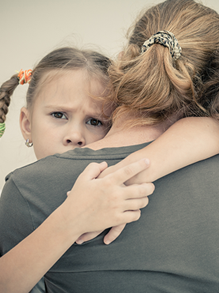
(56, 120)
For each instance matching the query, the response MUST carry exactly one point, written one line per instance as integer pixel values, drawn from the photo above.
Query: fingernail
(79, 242)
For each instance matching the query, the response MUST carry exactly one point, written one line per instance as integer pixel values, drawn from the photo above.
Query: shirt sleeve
(15, 218)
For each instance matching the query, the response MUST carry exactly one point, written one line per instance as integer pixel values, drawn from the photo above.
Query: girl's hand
(112, 189)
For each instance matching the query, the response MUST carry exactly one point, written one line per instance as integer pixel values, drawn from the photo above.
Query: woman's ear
(25, 123)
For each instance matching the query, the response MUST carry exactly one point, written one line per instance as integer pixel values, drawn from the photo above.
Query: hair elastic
(2, 128)
(24, 76)
(166, 39)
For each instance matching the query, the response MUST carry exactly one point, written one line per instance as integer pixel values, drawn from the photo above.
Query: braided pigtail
(6, 91)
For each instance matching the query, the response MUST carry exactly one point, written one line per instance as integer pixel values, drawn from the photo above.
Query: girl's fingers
(113, 234)
(93, 170)
(131, 216)
(87, 236)
(127, 172)
(135, 204)
(138, 191)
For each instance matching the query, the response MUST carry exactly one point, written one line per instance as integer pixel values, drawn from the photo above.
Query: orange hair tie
(24, 76)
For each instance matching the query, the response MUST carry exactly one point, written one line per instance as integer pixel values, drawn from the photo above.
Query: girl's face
(64, 114)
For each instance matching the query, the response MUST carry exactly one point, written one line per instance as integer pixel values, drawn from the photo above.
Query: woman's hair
(67, 58)
(153, 85)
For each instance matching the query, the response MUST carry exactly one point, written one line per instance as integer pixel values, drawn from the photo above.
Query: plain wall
(30, 29)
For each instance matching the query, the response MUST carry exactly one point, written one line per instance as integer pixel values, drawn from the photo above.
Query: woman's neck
(120, 136)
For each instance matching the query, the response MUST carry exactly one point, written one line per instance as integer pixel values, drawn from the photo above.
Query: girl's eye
(94, 122)
(59, 115)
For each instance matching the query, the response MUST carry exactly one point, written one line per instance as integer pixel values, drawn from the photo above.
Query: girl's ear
(25, 123)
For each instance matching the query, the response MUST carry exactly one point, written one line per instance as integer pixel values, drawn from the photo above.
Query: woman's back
(172, 248)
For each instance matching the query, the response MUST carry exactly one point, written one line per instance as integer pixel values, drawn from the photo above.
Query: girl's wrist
(64, 224)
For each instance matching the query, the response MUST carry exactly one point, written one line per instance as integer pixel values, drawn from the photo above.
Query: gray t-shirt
(174, 247)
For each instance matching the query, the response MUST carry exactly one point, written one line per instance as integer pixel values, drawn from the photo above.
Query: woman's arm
(187, 141)
(92, 205)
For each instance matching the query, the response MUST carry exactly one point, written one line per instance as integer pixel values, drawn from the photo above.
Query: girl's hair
(67, 58)
(152, 85)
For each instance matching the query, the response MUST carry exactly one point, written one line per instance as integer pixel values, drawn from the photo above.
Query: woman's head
(64, 101)
(152, 84)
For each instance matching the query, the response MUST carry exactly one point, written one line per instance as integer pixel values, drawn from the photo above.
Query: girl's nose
(74, 138)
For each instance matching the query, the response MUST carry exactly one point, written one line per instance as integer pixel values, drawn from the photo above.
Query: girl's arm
(89, 201)
(187, 141)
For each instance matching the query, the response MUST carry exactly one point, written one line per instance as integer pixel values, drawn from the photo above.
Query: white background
(30, 29)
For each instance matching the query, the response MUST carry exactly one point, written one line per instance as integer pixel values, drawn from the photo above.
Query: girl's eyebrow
(58, 106)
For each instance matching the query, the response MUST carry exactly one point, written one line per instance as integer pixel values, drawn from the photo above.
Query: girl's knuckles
(128, 172)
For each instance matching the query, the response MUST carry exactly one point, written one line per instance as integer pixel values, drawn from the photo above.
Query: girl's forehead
(83, 75)
(66, 77)
(68, 85)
